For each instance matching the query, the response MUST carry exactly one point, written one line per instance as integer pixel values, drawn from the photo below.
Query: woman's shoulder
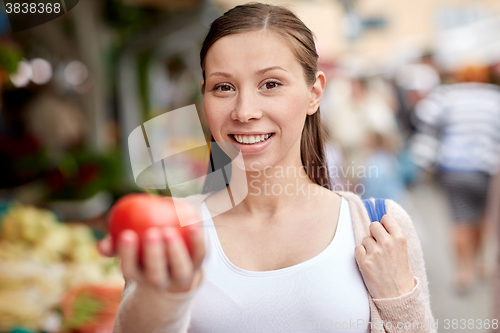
(392, 207)
(349, 196)
(360, 215)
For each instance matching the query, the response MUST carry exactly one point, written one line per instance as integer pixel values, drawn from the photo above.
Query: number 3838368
(32, 8)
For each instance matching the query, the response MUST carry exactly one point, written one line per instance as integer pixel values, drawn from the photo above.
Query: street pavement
(426, 204)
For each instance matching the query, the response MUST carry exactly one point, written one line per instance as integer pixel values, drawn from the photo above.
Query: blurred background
(411, 108)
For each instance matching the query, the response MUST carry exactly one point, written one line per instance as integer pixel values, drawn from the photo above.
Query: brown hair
(256, 16)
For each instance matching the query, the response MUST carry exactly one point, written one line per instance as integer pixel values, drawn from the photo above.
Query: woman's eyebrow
(220, 74)
(262, 71)
(258, 72)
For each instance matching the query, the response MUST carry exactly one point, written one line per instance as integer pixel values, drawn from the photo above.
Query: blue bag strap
(370, 209)
(375, 212)
(380, 207)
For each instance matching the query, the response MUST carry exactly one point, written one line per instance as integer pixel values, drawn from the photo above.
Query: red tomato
(141, 211)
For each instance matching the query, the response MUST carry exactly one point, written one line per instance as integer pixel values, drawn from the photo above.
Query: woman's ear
(316, 92)
(201, 86)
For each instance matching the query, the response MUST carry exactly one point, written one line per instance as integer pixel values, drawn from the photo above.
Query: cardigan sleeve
(410, 312)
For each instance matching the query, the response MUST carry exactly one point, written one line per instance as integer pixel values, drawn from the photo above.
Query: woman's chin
(258, 166)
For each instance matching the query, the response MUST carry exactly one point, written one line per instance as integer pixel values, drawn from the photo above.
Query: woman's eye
(223, 87)
(271, 85)
(226, 87)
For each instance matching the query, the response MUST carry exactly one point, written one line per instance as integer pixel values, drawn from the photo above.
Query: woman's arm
(145, 309)
(157, 296)
(493, 206)
(414, 306)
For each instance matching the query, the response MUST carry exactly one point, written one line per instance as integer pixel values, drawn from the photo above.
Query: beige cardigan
(171, 311)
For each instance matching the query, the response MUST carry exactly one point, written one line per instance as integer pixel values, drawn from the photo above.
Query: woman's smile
(251, 138)
(251, 143)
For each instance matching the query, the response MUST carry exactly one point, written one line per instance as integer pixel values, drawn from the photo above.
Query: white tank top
(325, 293)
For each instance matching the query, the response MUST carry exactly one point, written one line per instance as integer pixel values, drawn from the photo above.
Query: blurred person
(383, 177)
(412, 83)
(465, 119)
(493, 226)
(334, 161)
(355, 111)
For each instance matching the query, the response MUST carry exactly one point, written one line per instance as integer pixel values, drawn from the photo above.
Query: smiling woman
(292, 254)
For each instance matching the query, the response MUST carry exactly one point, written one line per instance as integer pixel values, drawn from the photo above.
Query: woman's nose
(246, 108)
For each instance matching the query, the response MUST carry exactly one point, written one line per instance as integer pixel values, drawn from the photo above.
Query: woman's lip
(252, 133)
(252, 148)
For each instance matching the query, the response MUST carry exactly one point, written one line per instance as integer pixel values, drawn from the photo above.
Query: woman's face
(257, 98)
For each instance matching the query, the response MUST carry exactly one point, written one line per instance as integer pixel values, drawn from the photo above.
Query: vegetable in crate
(90, 308)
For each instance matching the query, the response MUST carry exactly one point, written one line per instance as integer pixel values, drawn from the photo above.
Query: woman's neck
(272, 189)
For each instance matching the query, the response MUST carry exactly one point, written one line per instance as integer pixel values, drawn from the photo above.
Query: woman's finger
(155, 268)
(391, 225)
(197, 243)
(128, 244)
(379, 233)
(180, 265)
(105, 247)
(369, 243)
(359, 252)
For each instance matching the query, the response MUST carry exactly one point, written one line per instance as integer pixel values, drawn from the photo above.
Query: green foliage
(143, 62)
(81, 174)
(129, 20)
(85, 308)
(10, 55)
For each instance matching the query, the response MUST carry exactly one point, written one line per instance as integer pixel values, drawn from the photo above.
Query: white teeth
(251, 139)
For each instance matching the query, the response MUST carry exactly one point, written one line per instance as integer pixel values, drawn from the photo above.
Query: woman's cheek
(214, 118)
(294, 110)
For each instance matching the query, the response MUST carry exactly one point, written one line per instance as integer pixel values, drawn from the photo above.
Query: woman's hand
(383, 261)
(167, 264)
